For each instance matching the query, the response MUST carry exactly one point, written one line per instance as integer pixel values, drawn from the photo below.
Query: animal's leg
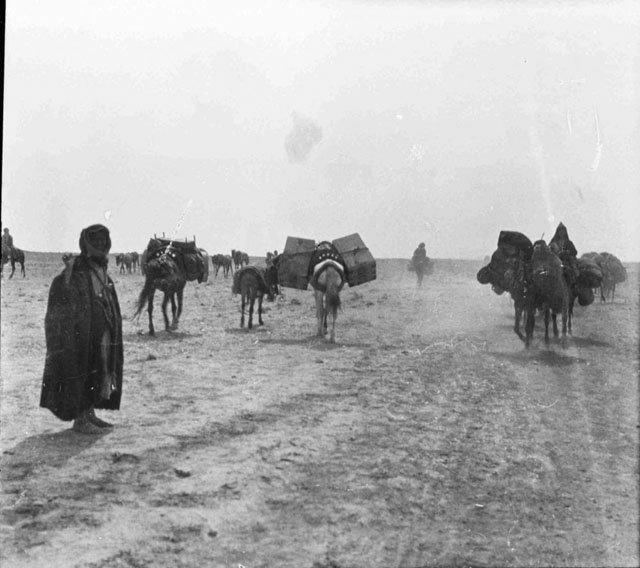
(150, 311)
(320, 312)
(242, 310)
(566, 319)
(252, 301)
(174, 309)
(554, 318)
(165, 302)
(332, 336)
(179, 295)
(518, 317)
(529, 324)
(260, 309)
(13, 268)
(546, 325)
(24, 274)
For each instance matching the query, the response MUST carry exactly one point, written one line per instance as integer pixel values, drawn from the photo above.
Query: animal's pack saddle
(186, 254)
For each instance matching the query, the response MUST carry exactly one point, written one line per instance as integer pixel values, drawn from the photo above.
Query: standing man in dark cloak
(83, 328)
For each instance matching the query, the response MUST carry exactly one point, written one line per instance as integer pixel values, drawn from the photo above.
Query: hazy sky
(245, 122)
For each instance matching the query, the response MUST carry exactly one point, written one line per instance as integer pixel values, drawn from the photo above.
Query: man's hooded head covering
(421, 245)
(561, 243)
(561, 233)
(95, 243)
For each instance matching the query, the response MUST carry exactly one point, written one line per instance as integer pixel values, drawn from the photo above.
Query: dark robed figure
(83, 328)
(420, 262)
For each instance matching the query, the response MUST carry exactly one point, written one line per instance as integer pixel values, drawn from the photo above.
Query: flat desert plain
(426, 436)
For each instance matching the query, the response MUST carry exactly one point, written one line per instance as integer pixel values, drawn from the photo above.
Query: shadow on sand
(542, 355)
(163, 335)
(52, 450)
(314, 342)
(255, 329)
(589, 342)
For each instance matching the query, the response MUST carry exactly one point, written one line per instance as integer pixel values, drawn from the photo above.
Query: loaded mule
(327, 277)
(167, 267)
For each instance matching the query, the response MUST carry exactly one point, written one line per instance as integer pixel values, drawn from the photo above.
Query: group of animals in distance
(541, 278)
(128, 262)
(548, 279)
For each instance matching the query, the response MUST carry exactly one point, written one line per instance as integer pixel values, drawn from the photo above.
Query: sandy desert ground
(426, 436)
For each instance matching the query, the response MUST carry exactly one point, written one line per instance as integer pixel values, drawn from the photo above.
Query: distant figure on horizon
(83, 330)
(420, 262)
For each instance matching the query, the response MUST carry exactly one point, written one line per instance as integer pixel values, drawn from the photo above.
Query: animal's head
(271, 279)
(546, 266)
(540, 252)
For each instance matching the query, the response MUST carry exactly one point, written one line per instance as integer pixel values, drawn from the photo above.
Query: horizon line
(262, 256)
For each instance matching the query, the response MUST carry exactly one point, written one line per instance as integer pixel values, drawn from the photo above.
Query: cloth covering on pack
(326, 255)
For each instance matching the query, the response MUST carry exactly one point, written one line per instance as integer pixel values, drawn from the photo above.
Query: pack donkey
(253, 283)
(327, 278)
(167, 267)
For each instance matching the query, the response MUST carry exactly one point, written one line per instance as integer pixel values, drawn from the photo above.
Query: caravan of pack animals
(547, 279)
(318, 406)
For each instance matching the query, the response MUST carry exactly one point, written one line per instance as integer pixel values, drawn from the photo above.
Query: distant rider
(420, 261)
(7, 240)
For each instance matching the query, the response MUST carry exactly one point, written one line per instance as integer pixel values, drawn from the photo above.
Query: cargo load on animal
(300, 256)
(192, 259)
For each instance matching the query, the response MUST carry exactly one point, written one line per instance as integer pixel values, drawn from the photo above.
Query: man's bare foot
(83, 425)
(91, 415)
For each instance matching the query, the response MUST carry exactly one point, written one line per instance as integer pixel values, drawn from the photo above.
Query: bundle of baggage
(300, 256)
(188, 256)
